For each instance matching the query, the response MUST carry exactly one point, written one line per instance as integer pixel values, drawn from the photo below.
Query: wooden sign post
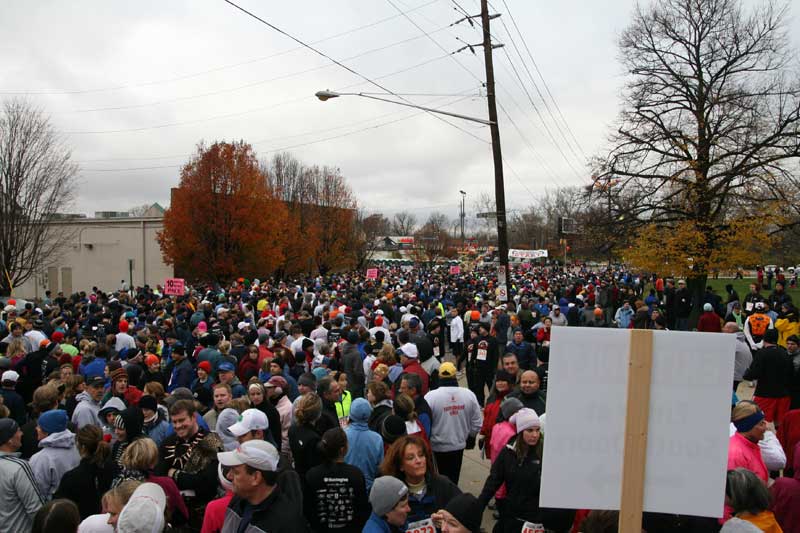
(637, 410)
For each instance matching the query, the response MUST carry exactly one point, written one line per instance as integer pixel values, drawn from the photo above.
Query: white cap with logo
(258, 454)
(250, 420)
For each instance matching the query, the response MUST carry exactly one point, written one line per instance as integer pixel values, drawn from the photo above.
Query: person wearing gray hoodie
(364, 446)
(58, 454)
(88, 408)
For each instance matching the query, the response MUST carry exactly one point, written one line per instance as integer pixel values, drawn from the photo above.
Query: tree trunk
(697, 288)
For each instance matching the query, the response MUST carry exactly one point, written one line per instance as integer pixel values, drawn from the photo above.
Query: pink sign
(372, 273)
(455, 269)
(174, 287)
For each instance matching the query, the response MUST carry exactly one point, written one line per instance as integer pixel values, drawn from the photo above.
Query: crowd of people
(346, 404)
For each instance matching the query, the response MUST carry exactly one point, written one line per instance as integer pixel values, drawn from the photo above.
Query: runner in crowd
(379, 358)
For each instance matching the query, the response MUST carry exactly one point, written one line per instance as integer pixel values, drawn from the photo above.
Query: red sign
(372, 273)
(174, 287)
(405, 240)
(455, 269)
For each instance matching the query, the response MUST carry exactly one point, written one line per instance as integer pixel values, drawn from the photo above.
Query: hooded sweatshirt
(364, 446)
(19, 493)
(58, 455)
(87, 411)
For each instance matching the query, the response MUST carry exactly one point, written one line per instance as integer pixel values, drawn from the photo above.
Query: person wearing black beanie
(461, 515)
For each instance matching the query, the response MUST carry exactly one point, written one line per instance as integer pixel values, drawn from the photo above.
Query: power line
(212, 70)
(536, 67)
(310, 47)
(247, 85)
(539, 114)
(246, 112)
(289, 147)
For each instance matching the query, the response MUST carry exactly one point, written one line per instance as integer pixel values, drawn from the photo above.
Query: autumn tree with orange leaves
(224, 220)
(322, 233)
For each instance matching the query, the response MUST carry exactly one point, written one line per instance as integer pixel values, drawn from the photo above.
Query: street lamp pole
(463, 214)
(499, 187)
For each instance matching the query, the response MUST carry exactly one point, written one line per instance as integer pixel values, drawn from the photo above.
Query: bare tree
(404, 223)
(369, 230)
(710, 124)
(37, 178)
(433, 240)
(139, 210)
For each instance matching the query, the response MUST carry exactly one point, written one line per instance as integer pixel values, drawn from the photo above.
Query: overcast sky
(134, 86)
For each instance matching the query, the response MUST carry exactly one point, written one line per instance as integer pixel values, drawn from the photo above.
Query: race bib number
(422, 526)
(482, 354)
(436, 351)
(748, 306)
(530, 527)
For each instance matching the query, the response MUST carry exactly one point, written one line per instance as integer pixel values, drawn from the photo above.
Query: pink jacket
(502, 432)
(746, 454)
(214, 516)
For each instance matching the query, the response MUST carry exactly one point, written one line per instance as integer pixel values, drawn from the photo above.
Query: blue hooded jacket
(364, 446)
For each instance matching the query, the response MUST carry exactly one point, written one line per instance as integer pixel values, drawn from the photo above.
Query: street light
(463, 214)
(327, 95)
(499, 188)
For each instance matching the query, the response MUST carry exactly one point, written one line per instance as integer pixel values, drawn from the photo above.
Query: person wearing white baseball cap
(252, 425)
(258, 503)
(144, 512)
(11, 398)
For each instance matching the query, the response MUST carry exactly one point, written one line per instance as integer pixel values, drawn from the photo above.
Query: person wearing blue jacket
(181, 373)
(389, 500)
(364, 446)
(526, 355)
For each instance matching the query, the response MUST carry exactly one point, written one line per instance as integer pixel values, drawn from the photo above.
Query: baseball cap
(447, 370)
(226, 366)
(409, 350)
(10, 375)
(96, 381)
(250, 420)
(258, 454)
(144, 512)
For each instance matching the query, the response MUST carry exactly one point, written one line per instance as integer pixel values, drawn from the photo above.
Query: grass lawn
(742, 286)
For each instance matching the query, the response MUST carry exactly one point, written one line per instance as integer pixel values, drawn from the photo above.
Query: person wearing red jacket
(409, 358)
(503, 384)
(709, 321)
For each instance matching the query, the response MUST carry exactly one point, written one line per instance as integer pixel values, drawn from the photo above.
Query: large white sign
(526, 254)
(687, 440)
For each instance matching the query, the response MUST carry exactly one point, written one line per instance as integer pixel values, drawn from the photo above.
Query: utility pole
(499, 187)
(463, 214)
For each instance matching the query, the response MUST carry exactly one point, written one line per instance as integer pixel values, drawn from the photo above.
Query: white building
(102, 251)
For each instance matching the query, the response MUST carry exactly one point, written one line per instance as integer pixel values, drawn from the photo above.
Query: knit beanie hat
(467, 510)
(148, 402)
(8, 428)
(524, 419)
(54, 421)
(393, 428)
(205, 366)
(510, 406)
(386, 492)
(151, 359)
(119, 374)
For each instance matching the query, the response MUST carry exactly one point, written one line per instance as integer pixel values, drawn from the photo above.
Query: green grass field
(742, 286)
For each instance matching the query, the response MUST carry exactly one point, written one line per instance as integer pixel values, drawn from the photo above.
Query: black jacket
(336, 498)
(773, 369)
(85, 485)
(277, 514)
(533, 401)
(523, 480)
(303, 441)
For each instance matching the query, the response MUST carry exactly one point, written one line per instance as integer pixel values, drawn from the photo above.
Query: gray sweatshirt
(456, 416)
(58, 455)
